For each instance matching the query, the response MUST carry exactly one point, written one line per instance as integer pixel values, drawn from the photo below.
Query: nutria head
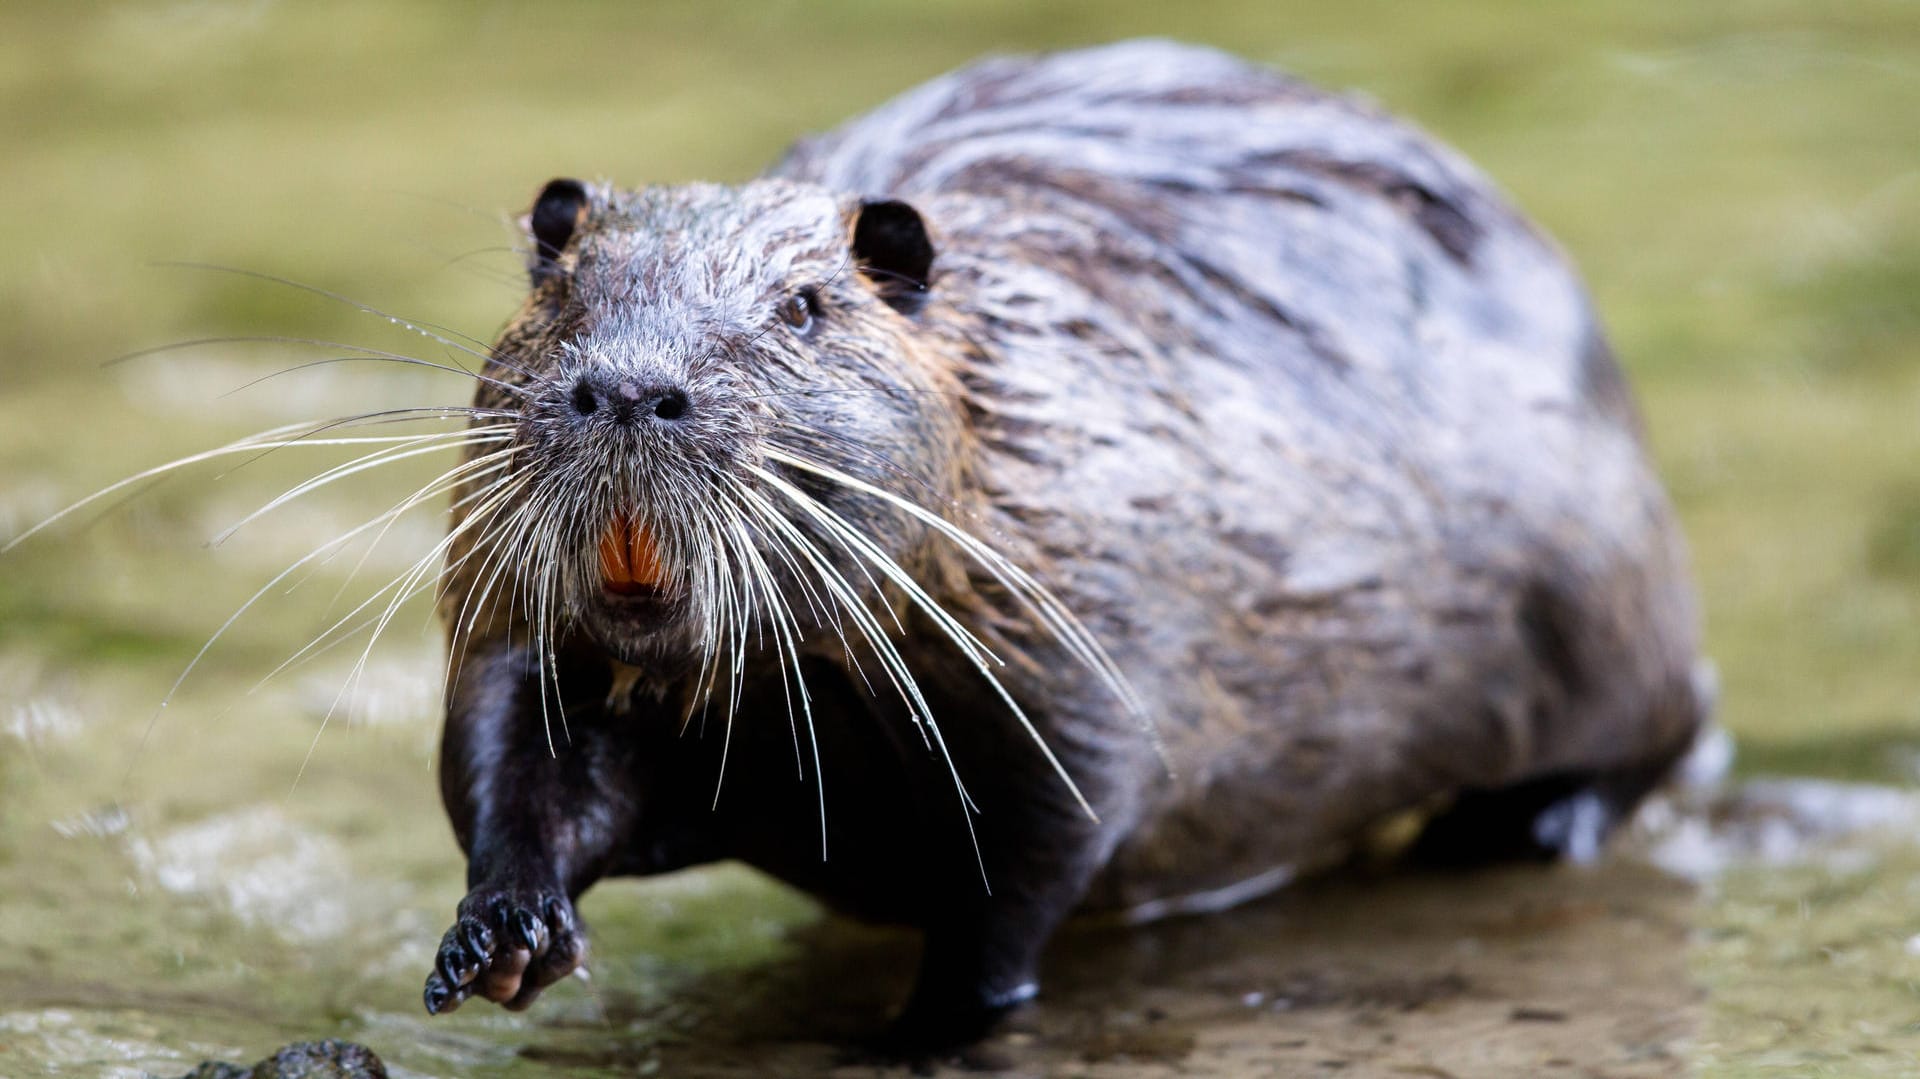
(705, 381)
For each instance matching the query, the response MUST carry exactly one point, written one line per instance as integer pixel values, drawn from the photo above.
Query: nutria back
(1323, 437)
(1194, 468)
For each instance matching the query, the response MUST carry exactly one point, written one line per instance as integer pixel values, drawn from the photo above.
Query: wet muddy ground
(1764, 927)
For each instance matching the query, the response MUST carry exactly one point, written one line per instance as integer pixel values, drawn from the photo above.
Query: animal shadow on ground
(1515, 971)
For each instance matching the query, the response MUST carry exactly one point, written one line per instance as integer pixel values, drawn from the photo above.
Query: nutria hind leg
(980, 950)
(1567, 815)
(980, 955)
(1570, 814)
(967, 983)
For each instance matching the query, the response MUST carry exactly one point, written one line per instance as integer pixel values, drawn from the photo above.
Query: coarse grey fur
(1318, 435)
(1318, 439)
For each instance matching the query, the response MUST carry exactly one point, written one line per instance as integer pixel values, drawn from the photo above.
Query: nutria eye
(797, 311)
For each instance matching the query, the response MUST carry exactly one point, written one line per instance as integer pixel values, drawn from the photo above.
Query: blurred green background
(1739, 183)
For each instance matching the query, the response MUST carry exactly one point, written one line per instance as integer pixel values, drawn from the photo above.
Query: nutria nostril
(670, 405)
(630, 402)
(584, 400)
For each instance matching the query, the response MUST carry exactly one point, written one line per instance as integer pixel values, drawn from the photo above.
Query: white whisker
(891, 660)
(437, 443)
(1038, 599)
(970, 646)
(263, 441)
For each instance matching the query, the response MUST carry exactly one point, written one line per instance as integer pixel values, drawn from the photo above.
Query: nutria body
(1317, 441)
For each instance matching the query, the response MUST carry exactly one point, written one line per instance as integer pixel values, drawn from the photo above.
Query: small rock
(329, 1059)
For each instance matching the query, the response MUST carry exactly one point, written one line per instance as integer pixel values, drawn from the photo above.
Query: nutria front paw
(507, 945)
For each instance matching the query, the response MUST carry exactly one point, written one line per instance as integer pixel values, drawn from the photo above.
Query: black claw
(457, 966)
(533, 932)
(435, 995)
(559, 915)
(477, 937)
(495, 911)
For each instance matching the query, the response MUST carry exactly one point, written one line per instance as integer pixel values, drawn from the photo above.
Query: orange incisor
(629, 560)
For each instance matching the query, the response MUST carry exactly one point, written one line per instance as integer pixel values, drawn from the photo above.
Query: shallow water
(1764, 926)
(256, 865)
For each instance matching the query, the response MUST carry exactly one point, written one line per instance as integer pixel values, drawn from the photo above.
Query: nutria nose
(629, 400)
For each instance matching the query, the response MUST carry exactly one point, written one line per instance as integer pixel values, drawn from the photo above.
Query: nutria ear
(558, 210)
(891, 243)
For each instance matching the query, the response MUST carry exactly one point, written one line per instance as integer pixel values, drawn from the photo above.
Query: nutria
(1109, 480)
